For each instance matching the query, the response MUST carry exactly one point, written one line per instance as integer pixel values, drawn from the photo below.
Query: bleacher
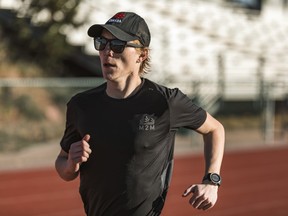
(189, 38)
(208, 49)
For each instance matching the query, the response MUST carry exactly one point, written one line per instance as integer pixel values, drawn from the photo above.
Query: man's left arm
(204, 195)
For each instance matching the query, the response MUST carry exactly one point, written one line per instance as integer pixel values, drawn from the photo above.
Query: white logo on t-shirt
(147, 122)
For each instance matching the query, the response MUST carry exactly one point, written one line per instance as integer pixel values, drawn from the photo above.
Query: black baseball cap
(126, 26)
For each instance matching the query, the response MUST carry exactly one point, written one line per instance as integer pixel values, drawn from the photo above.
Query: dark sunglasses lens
(100, 43)
(117, 46)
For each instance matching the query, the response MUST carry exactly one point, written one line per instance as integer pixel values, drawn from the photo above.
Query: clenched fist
(79, 152)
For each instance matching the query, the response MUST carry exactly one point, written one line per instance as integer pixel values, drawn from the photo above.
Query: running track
(254, 183)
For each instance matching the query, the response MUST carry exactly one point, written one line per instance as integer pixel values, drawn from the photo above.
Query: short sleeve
(71, 133)
(183, 112)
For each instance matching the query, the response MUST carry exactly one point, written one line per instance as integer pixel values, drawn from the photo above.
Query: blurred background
(228, 56)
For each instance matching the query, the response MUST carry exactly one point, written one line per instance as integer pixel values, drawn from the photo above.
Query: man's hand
(79, 152)
(204, 196)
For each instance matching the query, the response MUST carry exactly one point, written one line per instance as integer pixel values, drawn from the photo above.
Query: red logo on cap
(119, 16)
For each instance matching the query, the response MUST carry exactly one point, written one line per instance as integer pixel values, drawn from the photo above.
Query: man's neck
(123, 89)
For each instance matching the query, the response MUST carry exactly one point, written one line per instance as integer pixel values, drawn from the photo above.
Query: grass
(28, 116)
(32, 115)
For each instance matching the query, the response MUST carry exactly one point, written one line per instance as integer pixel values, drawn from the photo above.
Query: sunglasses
(116, 45)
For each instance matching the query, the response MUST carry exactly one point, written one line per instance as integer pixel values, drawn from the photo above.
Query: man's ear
(143, 55)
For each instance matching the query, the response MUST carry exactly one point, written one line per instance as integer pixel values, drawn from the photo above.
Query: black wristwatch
(214, 178)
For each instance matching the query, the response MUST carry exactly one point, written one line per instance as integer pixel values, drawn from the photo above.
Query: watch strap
(211, 178)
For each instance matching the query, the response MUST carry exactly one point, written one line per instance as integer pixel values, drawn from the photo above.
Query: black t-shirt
(132, 142)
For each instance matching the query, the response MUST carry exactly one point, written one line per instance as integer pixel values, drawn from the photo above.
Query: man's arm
(205, 194)
(68, 164)
(214, 140)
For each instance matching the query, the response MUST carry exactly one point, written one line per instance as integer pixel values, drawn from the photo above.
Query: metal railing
(50, 82)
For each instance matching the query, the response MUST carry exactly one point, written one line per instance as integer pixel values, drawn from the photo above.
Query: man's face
(118, 66)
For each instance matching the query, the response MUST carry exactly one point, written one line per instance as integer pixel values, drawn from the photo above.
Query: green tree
(39, 32)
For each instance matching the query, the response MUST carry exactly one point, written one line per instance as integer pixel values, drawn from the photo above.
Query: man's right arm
(68, 164)
(65, 171)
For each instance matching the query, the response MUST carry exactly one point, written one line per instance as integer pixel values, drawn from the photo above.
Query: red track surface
(254, 183)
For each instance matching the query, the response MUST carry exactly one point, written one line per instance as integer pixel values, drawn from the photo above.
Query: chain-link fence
(33, 111)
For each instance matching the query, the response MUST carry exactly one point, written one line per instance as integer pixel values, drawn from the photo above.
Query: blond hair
(146, 64)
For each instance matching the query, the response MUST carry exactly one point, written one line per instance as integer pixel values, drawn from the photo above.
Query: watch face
(215, 178)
